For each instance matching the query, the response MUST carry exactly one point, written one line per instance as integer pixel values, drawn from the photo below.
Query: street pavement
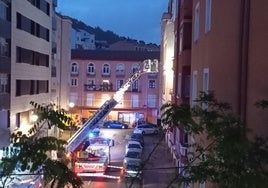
(159, 169)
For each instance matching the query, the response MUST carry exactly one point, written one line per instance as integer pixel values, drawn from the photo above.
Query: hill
(100, 34)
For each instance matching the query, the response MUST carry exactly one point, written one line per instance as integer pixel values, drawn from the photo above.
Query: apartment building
(96, 75)
(176, 57)
(133, 45)
(5, 68)
(81, 39)
(225, 54)
(229, 56)
(35, 54)
(60, 61)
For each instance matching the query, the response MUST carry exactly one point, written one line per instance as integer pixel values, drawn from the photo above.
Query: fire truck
(91, 158)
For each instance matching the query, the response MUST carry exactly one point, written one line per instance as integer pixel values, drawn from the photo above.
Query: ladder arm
(82, 133)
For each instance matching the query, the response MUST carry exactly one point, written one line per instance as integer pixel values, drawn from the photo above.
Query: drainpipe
(243, 59)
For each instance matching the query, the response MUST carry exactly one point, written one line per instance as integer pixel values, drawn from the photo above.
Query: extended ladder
(80, 135)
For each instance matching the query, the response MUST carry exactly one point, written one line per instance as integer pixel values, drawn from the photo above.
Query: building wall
(23, 71)
(5, 64)
(233, 54)
(257, 87)
(79, 94)
(218, 50)
(64, 57)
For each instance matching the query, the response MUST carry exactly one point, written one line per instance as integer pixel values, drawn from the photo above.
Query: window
(205, 84)
(179, 86)
(4, 47)
(32, 57)
(91, 69)
(74, 82)
(205, 79)
(30, 87)
(3, 10)
(106, 86)
(120, 69)
(135, 101)
(30, 26)
(106, 69)
(196, 21)
(194, 88)
(135, 86)
(91, 84)
(119, 83)
(42, 5)
(152, 84)
(187, 81)
(90, 99)
(151, 103)
(135, 68)
(3, 83)
(73, 97)
(74, 68)
(208, 16)
(181, 41)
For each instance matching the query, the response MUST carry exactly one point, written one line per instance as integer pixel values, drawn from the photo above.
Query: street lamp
(71, 104)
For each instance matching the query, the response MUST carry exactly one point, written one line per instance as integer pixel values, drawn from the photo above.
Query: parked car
(115, 124)
(137, 137)
(146, 128)
(132, 156)
(134, 142)
(134, 147)
(133, 170)
(138, 122)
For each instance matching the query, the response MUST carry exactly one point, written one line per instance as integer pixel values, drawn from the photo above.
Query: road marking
(98, 175)
(118, 167)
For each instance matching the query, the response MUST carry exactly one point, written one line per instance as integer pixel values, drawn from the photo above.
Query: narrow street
(158, 169)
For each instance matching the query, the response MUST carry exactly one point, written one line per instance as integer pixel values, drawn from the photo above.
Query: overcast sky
(136, 19)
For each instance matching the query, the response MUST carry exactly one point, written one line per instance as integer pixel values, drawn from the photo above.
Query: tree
(33, 153)
(228, 159)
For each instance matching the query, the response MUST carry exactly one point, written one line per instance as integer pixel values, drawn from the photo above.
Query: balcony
(152, 75)
(106, 74)
(120, 73)
(185, 57)
(101, 87)
(74, 73)
(91, 73)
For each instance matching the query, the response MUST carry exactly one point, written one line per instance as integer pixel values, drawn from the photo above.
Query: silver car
(134, 146)
(146, 128)
(132, 156)
(133, 169)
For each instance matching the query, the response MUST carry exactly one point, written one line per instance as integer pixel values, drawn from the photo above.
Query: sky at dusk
(136, 19)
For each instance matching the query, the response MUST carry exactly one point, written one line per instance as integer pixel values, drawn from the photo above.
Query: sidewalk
(159, 169)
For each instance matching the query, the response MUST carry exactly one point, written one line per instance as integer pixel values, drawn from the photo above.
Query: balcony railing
(120, 73)
(152, 75)
(74, 73)
(101, 87)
